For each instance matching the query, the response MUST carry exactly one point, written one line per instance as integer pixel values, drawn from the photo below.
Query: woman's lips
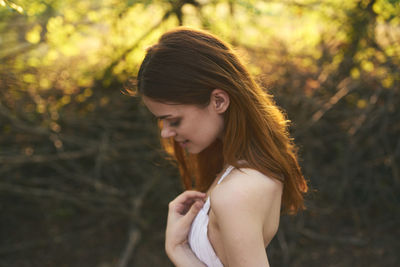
(184, 143)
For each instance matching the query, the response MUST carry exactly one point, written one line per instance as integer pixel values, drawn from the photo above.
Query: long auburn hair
(184, 67)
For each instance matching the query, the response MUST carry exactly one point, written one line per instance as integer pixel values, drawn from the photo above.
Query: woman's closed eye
(170, 122)
(174, 123)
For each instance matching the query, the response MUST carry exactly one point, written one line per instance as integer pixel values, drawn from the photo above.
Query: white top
(198, 237)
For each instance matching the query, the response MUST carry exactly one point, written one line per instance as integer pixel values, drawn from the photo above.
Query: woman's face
(194, 128)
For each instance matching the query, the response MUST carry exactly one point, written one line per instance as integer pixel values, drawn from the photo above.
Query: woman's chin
(192, 150)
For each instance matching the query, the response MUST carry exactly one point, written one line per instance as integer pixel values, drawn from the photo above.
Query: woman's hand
(182, 211)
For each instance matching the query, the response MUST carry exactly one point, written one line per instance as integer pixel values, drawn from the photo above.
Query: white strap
(228, 170)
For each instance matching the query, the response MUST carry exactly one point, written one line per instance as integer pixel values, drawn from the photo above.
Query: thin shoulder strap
(227, 171)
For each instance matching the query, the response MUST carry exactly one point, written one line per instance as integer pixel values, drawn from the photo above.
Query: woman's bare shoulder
(244, 188)
(257, 179)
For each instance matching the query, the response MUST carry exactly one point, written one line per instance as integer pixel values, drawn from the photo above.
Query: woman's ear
(219, 100)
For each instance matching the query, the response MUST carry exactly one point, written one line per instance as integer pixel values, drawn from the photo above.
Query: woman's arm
(182, 211)
(183, 256)
(246, 206)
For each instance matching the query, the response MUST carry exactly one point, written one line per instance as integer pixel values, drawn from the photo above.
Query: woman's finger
(190, 194)
(186, 198)
(183, 208)
(191, 214)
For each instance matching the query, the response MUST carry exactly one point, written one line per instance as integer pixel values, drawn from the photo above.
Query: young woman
(236, 159)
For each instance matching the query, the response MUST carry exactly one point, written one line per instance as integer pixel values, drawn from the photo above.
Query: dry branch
(47, 158)
(352, 240)
(133, 240)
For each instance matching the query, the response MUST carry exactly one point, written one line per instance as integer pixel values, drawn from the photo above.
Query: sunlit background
(83, 181)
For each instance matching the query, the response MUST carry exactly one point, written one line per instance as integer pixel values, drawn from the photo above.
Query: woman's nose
(167, 132)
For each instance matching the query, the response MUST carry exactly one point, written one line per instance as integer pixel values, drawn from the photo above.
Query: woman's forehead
(160, 109)
(165, 110)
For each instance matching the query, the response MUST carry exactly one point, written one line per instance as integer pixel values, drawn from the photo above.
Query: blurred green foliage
(68, 135)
